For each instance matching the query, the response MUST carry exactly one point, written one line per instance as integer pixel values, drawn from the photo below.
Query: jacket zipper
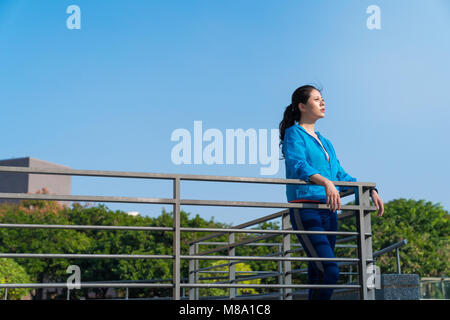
(321, 147)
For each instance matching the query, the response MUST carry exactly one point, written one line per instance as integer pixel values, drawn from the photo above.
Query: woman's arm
(333, 197)
(378, 202)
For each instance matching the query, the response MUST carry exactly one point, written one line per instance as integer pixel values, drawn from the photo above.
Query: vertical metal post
(364, 244)
(232, 266)
(126, 294)
(399, 271)
(68, 294)
(280, 269)
(6, 294)
(191, 271)
(351, 271)
(176, 239)
(287, 275)
(196, 273)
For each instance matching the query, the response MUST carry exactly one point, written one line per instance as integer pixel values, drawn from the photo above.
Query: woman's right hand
(333, 197)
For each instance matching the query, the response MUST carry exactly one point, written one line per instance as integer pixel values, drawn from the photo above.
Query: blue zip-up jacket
(304, 156)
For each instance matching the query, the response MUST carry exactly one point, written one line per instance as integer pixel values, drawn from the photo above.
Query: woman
(311, 157)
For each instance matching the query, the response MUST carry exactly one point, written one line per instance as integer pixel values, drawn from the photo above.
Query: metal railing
(435, 288)
(255, 274)
(361, 210)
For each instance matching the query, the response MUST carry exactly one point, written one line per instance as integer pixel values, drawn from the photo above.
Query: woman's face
(315, 106)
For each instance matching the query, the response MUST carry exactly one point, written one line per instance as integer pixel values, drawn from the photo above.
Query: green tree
(12, 272)
(28, 240)
(423, 224)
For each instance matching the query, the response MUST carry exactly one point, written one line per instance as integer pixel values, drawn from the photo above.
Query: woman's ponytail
(292, 112)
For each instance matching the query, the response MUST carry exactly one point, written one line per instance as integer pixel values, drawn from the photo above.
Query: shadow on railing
(360, 210)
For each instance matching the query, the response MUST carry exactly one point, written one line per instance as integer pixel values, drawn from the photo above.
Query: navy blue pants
(319, 272)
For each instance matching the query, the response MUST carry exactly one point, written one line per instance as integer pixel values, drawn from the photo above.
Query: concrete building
(11, 182)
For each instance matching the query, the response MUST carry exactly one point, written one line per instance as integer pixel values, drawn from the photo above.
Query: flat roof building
(12, 182)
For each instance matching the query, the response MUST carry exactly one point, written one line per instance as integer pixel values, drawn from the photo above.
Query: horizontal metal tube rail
(145, 256)
(237, 271)
(268, 286)
(249, 258)
(86, 285)
(75, 198)
(349, 233)
(68, 226)
(83, 227)
(390, 248)
(337, 246)
(168, 285)
(82, 256)
(193, 202)
(149, 175)
(220, 243)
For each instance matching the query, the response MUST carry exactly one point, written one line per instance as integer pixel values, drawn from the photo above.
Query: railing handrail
(171, 176)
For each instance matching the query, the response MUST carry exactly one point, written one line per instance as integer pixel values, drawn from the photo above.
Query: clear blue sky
(109, 96)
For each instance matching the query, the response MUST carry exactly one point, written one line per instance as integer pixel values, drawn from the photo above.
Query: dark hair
(292, 112)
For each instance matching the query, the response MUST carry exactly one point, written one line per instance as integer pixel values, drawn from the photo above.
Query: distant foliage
(424, 225)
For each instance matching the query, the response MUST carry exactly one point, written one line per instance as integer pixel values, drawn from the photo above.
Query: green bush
(12, 272)
(426, 227)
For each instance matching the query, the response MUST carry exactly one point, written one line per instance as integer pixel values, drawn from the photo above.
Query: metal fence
(361, 211)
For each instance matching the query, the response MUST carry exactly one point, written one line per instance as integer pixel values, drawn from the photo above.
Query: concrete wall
(393, 287)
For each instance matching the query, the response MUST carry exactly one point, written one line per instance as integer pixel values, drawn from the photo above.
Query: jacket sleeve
(294, 149)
